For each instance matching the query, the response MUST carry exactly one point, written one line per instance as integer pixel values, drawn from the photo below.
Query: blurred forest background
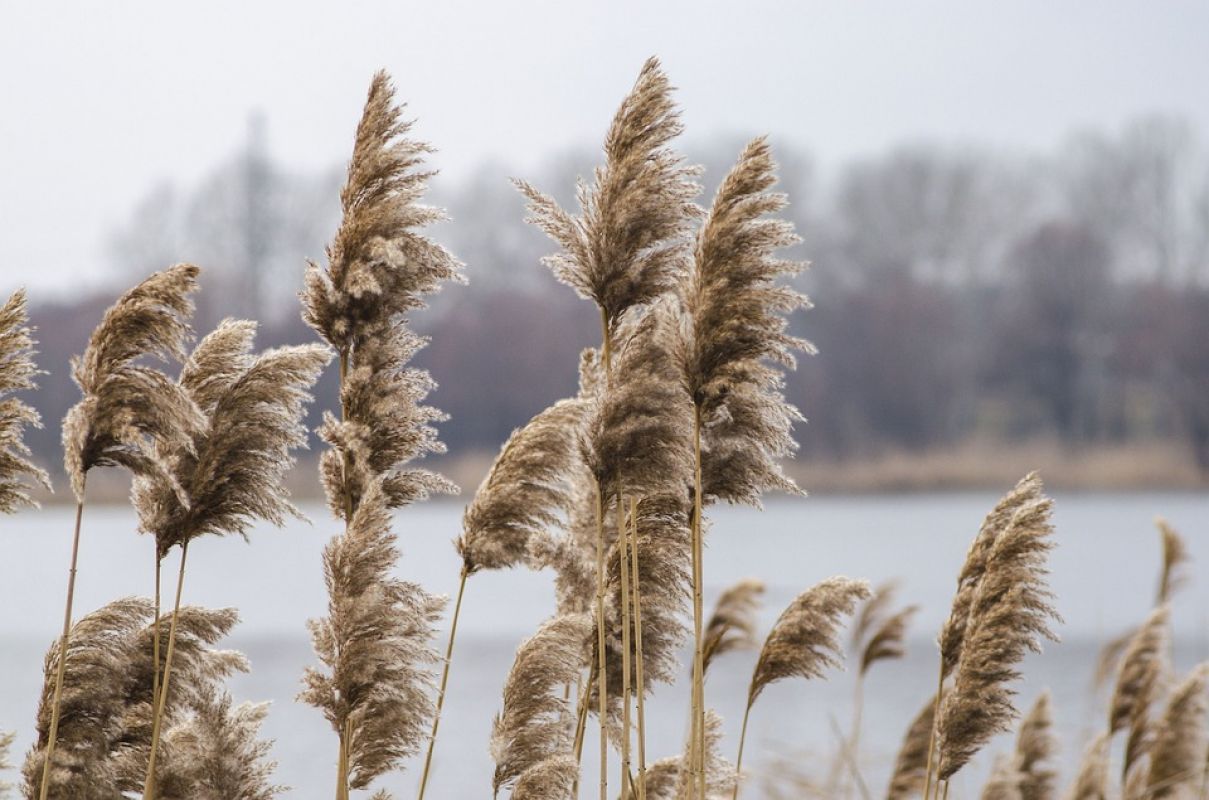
(977, 312)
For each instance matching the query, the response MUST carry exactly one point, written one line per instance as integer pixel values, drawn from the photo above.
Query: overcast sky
(100, 101)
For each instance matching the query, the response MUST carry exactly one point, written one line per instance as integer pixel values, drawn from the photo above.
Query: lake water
(1104, 572)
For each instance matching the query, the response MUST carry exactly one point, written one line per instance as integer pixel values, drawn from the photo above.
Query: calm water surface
(1104, 572)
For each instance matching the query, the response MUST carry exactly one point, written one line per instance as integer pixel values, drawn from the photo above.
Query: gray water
(1104, 572)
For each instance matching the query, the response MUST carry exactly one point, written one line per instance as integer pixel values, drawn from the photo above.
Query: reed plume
(1009, 615)
(952, 636)
(1005, 781)
(6, 742)
(527, 492)
(733, 337)
(551, 779)
(1181, 746)
(625, 248)
(231, 471)
(669, 778)
(107, 699)
(1172, 577)
(375, 642)
(530, 733)
(1036, 751)
(1139, 683)
(127, 408)
(215, 754)
(803, 642)
(17, 371)
(1091, 782)
(732, 627)
(910, 766)
(128, 411)
(878, 634)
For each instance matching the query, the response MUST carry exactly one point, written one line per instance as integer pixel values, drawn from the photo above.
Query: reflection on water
(1104, 573)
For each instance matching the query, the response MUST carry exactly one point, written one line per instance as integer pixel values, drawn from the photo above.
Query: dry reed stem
(638, 666)
(17, 371)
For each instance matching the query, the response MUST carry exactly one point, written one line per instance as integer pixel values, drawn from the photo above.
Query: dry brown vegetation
(678, 408)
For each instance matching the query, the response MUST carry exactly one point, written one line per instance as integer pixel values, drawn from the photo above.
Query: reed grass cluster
(679, 407)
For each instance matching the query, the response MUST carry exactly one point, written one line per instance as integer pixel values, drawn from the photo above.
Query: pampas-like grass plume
(379, 265)
(667, 778)
(735, 312)
(1004, 782)
(6, 741)
(17, 371)
(732, 626)
(530, 734)
(1091, 782)
(106, 704)
(878, 634)
(952, 635)
(805, 639)
(128, 408)
(803, 642)
(911, 764)
(375, 645)
(1178, 756)
(626, 247)
(551, 779)
(1172, 576)
(1175, 562)
(232, 470)
(376, 640)
(1139, 683)
(528, 490)
(215, 754)
(1009, 614)
(1036, 750)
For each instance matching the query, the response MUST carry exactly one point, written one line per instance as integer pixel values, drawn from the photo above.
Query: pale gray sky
(100, 101)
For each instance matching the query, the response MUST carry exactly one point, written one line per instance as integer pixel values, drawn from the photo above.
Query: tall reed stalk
(637, 601)
(161, 699)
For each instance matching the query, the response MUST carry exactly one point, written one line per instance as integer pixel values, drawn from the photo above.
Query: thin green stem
(61, 667)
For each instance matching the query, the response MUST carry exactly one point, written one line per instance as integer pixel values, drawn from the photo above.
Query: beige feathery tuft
(911, 764)
(375, 643)
(129, 409)
(1139, 684)
(805, 639)
(552, 779)
(215, 754)
(733, 624)
(736, 330)
(1036, 752)
(1172, 576)
(1004, 781)
(952, 635)
(232, 470)
(530, 733)
(878, 634)
(1009, 614)
(529, 490)
(6, 742)
(628, 244)
(379, 266)
(1179, 755)
(17, 371)
(1091, 782)
(105, 723)
(1175, 562)
(720, 778)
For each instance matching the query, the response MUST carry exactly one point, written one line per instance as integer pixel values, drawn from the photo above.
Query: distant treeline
(959, 292)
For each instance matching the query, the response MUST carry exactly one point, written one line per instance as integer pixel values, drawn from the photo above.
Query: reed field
(614, 493)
